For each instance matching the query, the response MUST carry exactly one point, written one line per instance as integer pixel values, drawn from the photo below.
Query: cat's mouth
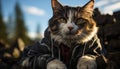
(70, 33)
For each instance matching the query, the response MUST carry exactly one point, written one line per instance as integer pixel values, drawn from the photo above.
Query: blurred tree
(38, 33)
(20, 28)
(10, 27)
(3, 33)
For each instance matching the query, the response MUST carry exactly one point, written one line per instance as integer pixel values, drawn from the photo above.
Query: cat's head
(72, 24)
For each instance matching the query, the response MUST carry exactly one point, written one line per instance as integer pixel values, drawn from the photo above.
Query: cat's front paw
(56, 64)
(86, 62)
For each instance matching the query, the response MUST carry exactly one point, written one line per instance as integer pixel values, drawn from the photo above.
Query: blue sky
(38, 12)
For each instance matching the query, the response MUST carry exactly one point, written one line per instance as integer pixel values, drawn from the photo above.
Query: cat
(70, 41)
(73, 25)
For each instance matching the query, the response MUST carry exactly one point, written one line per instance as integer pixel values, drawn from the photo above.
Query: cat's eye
(81, 21)
(62, 20)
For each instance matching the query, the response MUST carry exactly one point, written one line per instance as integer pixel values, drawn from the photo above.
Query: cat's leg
(56, 64)
(87, 62)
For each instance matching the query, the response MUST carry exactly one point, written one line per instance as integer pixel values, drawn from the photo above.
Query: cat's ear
(56, 6)
(89, 6)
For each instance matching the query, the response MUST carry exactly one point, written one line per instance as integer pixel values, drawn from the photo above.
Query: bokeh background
(23, 22)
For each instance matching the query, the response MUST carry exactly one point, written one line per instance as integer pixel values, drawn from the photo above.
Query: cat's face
(72, 24)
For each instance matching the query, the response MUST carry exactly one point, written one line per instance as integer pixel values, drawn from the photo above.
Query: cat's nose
(70, 28)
